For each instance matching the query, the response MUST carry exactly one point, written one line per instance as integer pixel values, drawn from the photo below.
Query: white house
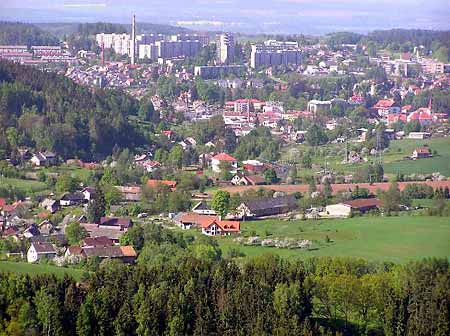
(217, 160)
(88, 193)
(43, 159)
(39, 250)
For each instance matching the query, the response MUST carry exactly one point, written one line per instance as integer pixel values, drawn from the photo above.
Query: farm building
(345, 209)
(268, 206)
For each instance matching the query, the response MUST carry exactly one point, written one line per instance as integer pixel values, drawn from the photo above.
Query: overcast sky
(287, 16)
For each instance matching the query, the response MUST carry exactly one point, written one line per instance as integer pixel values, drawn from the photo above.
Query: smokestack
(103, 53)
(133, 40)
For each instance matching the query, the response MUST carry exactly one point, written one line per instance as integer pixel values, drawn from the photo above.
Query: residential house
(31, 231)
(347, 208)
(88, 193)
(74, 251)
(125, 253)
(112, 232)
(38, 251)
(154, 183)
(50, 205)
(240, 179)
(130, 193)
(386, 106)
(219, 159)
(423, 115)
(190, 220)
(101, 241)
(267, 206)
(253, 166)
(202, 208)
(221, 228)
(44, 159)
(68, 199)
(11, 231)
(420, 153)
(123, 223)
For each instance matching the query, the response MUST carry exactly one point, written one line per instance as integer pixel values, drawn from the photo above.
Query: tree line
(12, 33)
(183, 285)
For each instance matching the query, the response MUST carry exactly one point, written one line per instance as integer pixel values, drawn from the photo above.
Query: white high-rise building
(225, 48)
(273, 53)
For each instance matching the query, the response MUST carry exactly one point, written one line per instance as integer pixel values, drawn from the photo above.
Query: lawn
(396, 239)
(393, 159)
(24, 185)
(37, 269)
(400, 148)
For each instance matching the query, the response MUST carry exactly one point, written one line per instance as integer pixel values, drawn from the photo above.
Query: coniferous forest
(43, 110)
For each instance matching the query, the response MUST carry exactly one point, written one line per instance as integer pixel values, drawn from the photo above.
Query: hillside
(25, 34)
(44, 110)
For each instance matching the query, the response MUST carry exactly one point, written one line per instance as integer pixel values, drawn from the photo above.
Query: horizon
(262, 17)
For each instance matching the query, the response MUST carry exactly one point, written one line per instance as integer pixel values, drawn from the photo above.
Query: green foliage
(15, 33)
(53, 113)
(75, 233)
(316, 135)
(221, 202)
(270, 176)
(390, 199)
(97, 207)
(259, 143)
(66, 183)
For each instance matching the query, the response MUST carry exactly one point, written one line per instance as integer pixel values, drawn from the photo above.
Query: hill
(43, 110)
(25, 34)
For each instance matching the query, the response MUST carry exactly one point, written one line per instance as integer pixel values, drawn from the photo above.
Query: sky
(249, 16)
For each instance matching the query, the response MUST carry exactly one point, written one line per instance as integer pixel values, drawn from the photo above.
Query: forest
(183, 285)
(25, 34)
(46, 111)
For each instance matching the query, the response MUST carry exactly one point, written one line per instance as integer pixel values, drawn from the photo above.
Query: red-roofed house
(217, 160)
(386, 106)
(406, 108)
(192, 219)
(422, 152)
(423, 115)
(392, 118)
(154, 183)
(221, 228)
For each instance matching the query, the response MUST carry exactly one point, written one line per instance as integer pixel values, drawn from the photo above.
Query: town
(124, 145)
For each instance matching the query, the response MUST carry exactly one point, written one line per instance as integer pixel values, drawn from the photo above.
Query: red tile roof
(363, 203)
(229, 226)
(384, 103)
(223, 157)
(154, 183)
(422, 150)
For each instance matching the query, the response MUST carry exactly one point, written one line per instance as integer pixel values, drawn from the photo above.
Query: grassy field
(24, 185)
(393, 159)
(37, 269)
(396, 239)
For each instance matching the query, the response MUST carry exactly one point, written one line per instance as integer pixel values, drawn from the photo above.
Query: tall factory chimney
(133, 40)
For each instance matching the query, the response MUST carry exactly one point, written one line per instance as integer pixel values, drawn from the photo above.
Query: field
(37, 269)
(25, 186)
(393, 159)
(397, 239)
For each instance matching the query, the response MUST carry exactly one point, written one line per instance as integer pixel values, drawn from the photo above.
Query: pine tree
(97, 206)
